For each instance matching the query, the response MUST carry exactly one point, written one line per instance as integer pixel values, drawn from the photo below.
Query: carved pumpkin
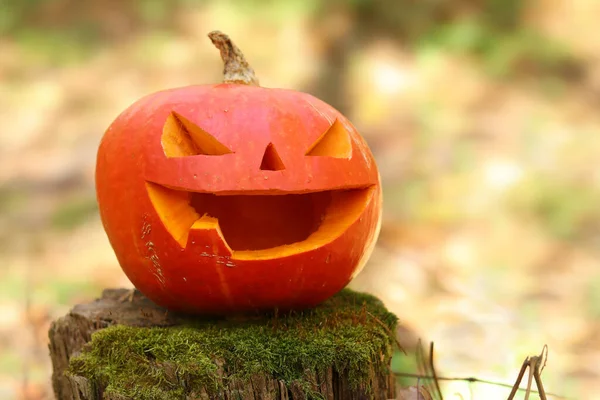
(232, 197)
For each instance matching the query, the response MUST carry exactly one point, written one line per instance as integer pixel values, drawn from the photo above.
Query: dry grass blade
(515, 387)
(535, 364)
(426, 369)
(432, 368)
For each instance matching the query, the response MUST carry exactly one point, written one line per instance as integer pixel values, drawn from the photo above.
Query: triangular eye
(335, 142)
(271, 160)
(182, 138)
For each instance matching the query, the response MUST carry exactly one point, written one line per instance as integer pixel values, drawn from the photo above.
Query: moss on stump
(340, 349)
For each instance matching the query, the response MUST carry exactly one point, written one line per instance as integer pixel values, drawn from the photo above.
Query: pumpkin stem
(236, 68)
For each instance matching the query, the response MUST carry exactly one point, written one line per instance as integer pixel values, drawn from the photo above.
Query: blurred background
(483, 116)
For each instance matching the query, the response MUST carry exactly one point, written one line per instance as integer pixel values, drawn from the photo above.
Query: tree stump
(114, 349)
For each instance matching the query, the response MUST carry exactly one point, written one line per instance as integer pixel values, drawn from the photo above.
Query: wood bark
(70, 333)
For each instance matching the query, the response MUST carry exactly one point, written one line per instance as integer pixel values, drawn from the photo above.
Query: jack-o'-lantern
(233, 197)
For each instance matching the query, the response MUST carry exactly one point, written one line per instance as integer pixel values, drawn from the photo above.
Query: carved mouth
(258, 225)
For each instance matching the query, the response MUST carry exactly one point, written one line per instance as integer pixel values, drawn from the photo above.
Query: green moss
(350, 331)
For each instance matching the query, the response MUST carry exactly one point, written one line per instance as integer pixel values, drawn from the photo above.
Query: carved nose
(271, 160)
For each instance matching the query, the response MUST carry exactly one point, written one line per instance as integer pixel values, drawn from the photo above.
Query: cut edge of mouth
(252, 227)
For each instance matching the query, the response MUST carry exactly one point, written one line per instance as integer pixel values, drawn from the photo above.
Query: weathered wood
(69, 335)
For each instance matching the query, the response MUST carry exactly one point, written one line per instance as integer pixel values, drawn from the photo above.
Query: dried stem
(236, 68)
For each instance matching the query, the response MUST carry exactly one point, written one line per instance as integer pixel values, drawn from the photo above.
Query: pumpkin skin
(177, 169)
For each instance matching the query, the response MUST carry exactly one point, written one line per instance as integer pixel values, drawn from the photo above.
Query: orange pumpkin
(232, 197)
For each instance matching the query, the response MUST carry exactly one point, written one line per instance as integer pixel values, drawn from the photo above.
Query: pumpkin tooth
(206, 229)
(174, 209)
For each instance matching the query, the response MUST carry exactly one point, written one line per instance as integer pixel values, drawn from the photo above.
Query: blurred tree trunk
(332, 32)
(340, 28)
